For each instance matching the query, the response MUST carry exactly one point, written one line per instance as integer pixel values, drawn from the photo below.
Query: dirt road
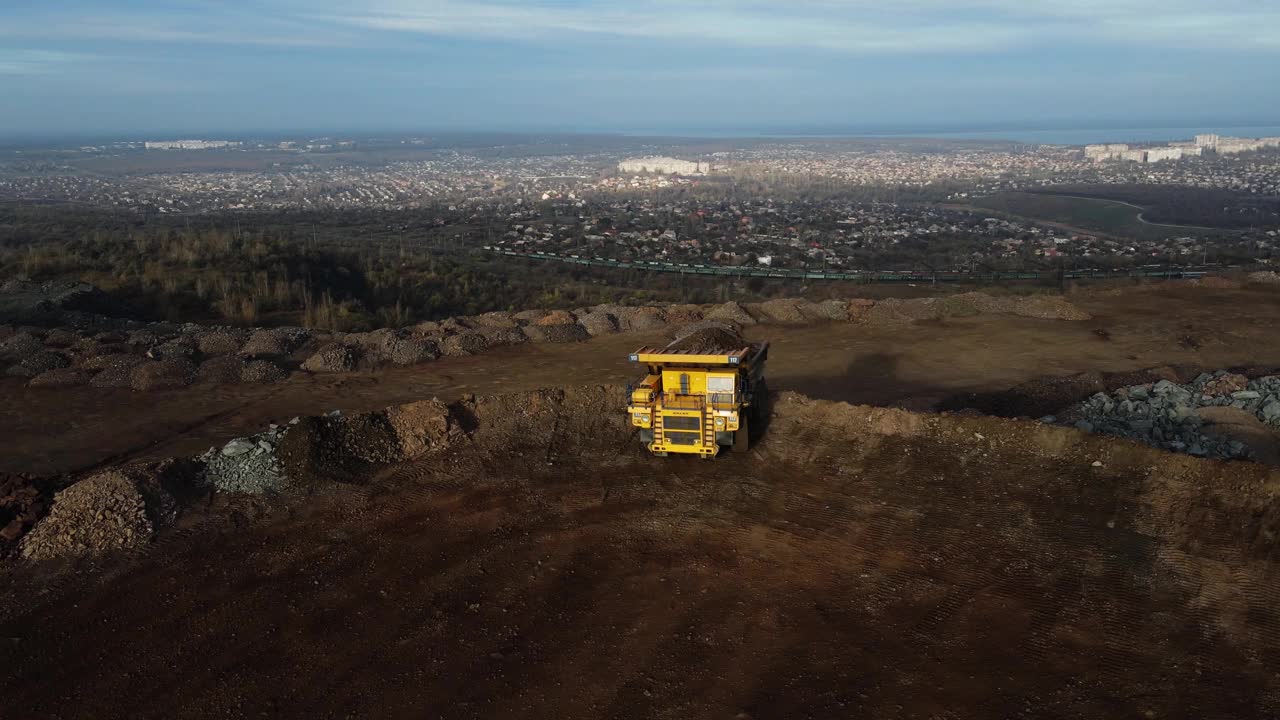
(918, 365)
(858, 563)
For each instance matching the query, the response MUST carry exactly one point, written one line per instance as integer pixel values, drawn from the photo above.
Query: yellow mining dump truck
(698, 396)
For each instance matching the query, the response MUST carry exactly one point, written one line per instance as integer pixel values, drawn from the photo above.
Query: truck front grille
(684, 438)
(681, 423)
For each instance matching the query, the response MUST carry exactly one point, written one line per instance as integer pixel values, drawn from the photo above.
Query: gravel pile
(1044, 307)
(39, 363)
(731, 312)
(500, 336)
(557, 333)
(412, 350)
(684, 314)
(829, 310)
(115, 376)
(111, 360)
(1167, 415)
(274, 342)
(332, 358)
(221, 370)
(101, 513)
(247, 465)
(598, 322)
(779, 312)
(1266, 278)
(496, 320)
(556, 317)
(60, 338)
(183, 348)
(528, 317)
(471, 342)
(638, 319)
(219, 342)
(262, 372)
(61, 377)
(167, 374)
(20, 346)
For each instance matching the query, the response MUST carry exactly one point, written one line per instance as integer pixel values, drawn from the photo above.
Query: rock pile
(110, 352)
(102, 513)
(709, 339)
(247, 465)
(1169, 415)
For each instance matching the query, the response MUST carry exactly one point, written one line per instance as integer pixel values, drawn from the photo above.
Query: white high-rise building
(664, 166)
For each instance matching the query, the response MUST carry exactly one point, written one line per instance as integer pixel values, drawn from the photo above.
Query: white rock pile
(248, 464)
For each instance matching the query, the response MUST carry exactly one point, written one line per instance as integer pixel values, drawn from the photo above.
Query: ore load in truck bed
(708, 341)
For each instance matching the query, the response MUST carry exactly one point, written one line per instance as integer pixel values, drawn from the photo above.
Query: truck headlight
(719, 423)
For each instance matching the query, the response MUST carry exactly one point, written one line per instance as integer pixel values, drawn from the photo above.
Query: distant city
(1179, 150)
(810, 203)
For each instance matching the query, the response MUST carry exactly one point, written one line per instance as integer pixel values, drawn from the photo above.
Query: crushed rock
(556, 317)
(60, 338)
(38, 363)
(413, 350)
(219, 342)
(829, 310)
(783, 311)
(731, 312)
(528, 317)
(166, 374)
(220, 370)
(709, 339)
(247, 465)
(465, 343)
(598, 322)
(558, 333)
(98, 514)
(499, 336)
(494, 320)
(262, 372)
(60, 377)
(274, 342)
(20, 346)
(1168, 415)
(332, 358)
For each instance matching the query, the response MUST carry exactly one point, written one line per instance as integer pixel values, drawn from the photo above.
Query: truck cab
(695, 403)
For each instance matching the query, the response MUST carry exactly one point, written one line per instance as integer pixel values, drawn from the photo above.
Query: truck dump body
(698, 393)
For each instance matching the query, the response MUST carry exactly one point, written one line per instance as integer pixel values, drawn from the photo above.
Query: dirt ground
(921, 366)
(856, 563)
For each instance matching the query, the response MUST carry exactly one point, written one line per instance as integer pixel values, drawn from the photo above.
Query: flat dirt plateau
(523, 557)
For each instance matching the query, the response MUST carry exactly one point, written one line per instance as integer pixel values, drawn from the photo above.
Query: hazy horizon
(90, 67)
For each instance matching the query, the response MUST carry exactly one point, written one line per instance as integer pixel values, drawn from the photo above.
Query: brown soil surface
(917, 365)
(857, 562)
(1236, 424)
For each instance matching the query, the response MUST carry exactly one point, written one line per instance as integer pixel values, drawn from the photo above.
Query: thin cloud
(37, 62)
(840, 26)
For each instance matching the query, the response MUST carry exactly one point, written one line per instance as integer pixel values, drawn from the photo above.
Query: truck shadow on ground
(869, 379)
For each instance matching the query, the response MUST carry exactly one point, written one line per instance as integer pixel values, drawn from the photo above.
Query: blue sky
(112, 66)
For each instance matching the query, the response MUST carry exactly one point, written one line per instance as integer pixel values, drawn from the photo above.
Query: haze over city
(96, 67)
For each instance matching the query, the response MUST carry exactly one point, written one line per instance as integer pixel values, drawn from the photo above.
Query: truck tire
(741, 438)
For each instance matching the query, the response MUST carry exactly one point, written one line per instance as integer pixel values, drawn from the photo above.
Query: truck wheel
(741, 440)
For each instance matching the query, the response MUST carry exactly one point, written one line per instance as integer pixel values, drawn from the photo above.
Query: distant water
(1044, 137)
